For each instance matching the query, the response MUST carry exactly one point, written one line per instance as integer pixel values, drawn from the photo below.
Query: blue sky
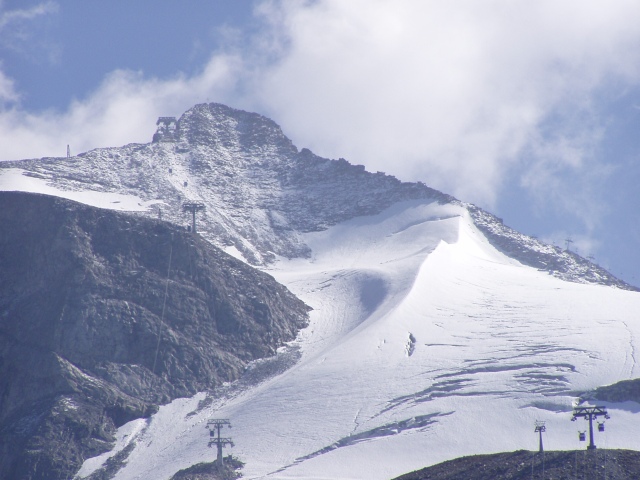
(529, 109)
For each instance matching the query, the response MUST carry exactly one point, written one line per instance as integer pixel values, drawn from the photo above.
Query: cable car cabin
(582, 436)
(601, 427)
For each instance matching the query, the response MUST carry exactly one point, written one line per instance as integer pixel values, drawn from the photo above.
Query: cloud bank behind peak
(464, 95)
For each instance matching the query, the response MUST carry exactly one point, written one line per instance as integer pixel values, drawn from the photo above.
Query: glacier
(425, 344)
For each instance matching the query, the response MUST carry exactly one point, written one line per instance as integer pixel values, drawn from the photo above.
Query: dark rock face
(230, 470)
(523, 465)
(625, 391)
(88, 339)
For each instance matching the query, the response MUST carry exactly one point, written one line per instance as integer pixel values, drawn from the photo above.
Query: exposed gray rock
(524, 465)
(259, 190)
(530, 251)
(624, 391)
(230, 470)
(87, 342)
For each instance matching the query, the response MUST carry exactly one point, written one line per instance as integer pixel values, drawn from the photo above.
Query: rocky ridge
(262, 193)
(525, 465)
(530, 251)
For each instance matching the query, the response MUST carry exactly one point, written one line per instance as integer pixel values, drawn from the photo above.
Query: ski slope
(425, 344)
(19, 180)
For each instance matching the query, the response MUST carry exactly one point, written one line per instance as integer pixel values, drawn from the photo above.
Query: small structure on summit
(166, 131)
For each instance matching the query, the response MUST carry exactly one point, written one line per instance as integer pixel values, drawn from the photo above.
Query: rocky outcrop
(103, 316)
(230, 470)
(522, 465)
(530, 251)
(624, 391)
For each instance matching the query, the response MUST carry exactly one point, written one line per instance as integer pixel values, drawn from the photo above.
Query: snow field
(15, 180)
(425, 344)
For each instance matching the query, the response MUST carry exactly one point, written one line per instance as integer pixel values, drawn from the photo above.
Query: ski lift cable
(164, 304)
(605, 455)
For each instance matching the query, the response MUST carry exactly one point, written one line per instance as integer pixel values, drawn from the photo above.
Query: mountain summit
(261, 192)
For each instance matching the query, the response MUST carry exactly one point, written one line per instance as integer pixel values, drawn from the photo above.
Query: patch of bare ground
(230, 470)
(599, 464)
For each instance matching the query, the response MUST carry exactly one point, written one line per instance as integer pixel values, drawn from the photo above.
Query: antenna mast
(568, 242)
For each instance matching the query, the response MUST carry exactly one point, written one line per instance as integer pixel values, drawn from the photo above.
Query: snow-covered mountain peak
(261, 194)
(250, 134)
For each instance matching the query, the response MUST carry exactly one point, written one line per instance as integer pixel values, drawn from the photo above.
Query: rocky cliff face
(104, 315)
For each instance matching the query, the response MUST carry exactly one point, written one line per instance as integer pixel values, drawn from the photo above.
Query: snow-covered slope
(437, 331)
(426, 343)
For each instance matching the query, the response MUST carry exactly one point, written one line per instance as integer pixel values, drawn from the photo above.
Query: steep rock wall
(88, 339)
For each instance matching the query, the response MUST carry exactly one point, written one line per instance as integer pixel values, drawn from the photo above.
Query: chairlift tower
(591, 414)
(193, 207)
(540, 427)
(215, 425)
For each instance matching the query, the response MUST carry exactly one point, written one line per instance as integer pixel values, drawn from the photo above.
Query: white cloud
(451, 93)
(458, 94)
(8, 92)
(123, 109)
(18, 26)
(9, 17)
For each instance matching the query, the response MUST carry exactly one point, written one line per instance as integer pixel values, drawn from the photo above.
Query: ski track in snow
(425, 344)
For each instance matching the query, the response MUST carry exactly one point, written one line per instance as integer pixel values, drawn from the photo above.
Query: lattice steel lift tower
(215, 425)
(591, 413)
(193, 207)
